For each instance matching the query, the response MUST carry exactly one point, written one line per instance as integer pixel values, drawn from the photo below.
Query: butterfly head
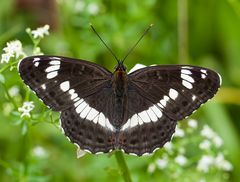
(120, 67)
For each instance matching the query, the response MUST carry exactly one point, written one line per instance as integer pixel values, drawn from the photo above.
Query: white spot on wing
(52, 75)
(144, 116)
(109, 126)
(92, 114)
(81, 107)
(187, 67)
(101, 120)
(157, 111)
(163, 102)
(71, 91)
(126, 125)
(85, 112)
(36, 64)
(55, 62)
(43, 86)
(187, 78)
(151, 114)
(134, 120)
(36, 59)
(95, 120)
(203, 76)
(76, 99)
(194, 97)
(56, 58)
(52, 68)
(140, 121)
(78, 102)
(185, 71)
(65, 86)
(203, 71)
(73, 94)
(173, 94)
(187, 84)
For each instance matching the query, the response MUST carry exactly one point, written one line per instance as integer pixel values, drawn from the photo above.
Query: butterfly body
(103, 111)
(119, 88)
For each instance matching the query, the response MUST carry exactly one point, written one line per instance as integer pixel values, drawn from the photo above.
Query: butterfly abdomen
(119, 87)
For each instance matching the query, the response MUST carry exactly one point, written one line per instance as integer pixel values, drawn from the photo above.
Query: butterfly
(102, 111)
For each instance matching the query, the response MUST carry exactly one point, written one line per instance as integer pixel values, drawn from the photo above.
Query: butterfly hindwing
(88, 123)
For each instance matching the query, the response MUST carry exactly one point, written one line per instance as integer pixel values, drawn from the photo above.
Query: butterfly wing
(51, 77)
(161, 95)
(81, 91)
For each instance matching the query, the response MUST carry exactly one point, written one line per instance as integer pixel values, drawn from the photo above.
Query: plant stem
(123, 166)
(183, 31)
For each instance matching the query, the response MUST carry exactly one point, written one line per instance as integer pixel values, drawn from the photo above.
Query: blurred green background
(198, 32)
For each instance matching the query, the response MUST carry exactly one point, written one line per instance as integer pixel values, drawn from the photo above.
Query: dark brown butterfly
(103, 111)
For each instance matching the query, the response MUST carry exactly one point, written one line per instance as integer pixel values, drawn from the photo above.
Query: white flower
(192, 123)
(39, 152)
(207, 132)
(93, 8)
(13, 91)
(168, 146)
(79, 6)
(179, 132)
(181, 160)
(181, 150)
(136, 67)
(40, 32)
(26, 108)
(217, 140)
(162, 163)
(13, 49)
(6, 57)
(205, 163)
(223, 164)
(205, 145)
(151, 168)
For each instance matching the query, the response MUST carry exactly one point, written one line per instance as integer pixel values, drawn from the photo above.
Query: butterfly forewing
(177, 90)
(59, 81)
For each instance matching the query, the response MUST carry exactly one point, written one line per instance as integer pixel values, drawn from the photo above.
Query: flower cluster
(26, 109)
(39, 32)
(39, 152)
(12, 50)
(209, 134)
(209, 158)
(219, 162)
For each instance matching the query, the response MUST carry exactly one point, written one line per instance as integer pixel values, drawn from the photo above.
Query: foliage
(32, 145)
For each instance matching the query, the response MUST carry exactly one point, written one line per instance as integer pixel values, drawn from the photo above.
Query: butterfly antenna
(133, 47)
(110, 50)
